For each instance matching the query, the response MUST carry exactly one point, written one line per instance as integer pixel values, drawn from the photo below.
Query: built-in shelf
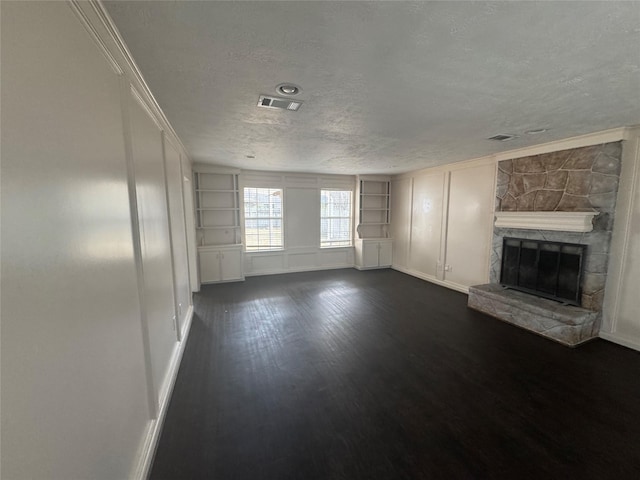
(217, 209)
(556, 221)
(373, 197)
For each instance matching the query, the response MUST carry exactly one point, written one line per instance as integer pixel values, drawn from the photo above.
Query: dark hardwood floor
(378, 375)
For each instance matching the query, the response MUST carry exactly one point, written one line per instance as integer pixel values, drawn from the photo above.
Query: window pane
(263, 218)
(335, 220)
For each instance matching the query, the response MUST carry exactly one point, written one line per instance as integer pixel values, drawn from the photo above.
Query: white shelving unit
(374, 207)
(218, 226)
(217, 209)
(373, 247)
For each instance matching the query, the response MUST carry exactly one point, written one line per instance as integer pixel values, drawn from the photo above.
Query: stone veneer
(581, 179)
(566, 324)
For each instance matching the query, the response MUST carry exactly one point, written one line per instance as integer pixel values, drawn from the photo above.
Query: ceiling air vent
(503, 137)
(279, 103)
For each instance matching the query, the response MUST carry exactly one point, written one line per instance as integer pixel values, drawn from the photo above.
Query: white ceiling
(388, 87)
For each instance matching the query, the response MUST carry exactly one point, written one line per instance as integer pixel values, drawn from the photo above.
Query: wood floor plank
(345, 374)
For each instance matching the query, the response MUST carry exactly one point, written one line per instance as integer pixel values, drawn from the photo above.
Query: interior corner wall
(89, 347)
(441, 222)
(621, 312)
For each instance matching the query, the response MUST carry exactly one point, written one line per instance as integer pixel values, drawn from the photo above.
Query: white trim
(556, 221)
(152, 435)
(625, 342)
(629, 180)
(444, 226)
(206, 168)
(125, 102)
(429, 278)
(449, 167)
(123, 51)
(375, 178)
(174, 283)
(297, 270)
(86, 23)
(138, 98)
(595, 138)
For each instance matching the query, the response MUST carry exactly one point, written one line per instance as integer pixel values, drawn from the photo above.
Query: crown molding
(86, 23)
(96, 20)
(595, 138)
(137, 96)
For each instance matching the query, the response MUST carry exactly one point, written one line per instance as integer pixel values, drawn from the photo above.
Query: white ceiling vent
(503, 137)
(279, 103)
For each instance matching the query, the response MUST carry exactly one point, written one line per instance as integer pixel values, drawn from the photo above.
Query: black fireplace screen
(547, 269)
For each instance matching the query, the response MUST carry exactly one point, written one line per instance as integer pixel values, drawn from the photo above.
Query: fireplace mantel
(557, 221)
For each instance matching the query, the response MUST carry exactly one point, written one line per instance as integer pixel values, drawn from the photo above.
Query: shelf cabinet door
(231, 263)
(384, 254)
(373, 253)
(370, 254)
(210, 268)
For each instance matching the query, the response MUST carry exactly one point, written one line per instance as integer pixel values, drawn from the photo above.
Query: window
(335, 218)
(263, 219)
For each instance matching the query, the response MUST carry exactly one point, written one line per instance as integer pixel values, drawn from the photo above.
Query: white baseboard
(422, 276)
(357, 267)
(625, 342)
(152, 435)
(296, 270)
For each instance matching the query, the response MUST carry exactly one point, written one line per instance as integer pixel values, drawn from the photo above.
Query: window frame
(245, 218)
(350, 218)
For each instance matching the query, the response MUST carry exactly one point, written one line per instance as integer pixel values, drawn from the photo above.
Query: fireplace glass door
(547, 269)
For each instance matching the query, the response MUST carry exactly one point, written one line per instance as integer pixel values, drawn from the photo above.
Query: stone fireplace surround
(582, 179)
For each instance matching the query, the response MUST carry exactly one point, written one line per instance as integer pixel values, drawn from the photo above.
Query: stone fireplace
(539, 198)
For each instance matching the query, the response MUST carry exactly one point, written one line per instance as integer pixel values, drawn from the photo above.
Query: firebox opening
(548, 269)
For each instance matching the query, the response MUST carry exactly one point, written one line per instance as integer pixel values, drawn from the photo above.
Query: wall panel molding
(98, 23)
(154, 428)
(86, 23)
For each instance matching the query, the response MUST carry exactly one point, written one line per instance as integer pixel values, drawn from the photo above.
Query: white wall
(469, 230)
(449, 210)
(401, 218)
(88, 348)
(621, 314)
(155, 242)
(301, 222)
(425, 243)
(190, 222)
(179, 241)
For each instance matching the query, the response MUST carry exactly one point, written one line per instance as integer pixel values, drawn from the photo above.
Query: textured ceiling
(388, 87)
